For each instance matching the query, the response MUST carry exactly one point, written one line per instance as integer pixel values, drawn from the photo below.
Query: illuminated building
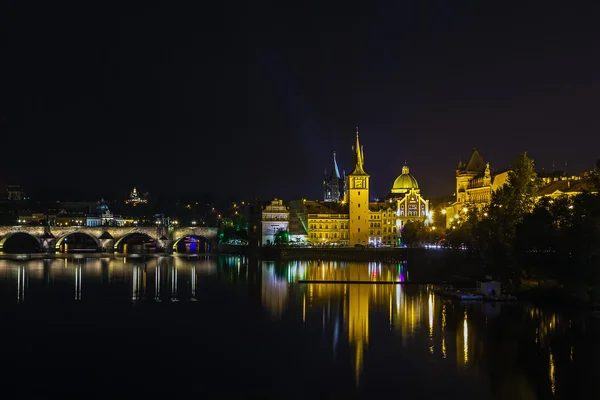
(355, 220)
(327, 223)
(135, 198)
(334, 186)
(275, 217)
(558, 185)
(475, 184)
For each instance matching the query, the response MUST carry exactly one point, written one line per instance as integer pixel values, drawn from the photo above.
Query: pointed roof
(359, 157)
(475, 163)
(335, 172)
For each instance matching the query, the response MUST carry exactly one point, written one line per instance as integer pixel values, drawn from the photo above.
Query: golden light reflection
(571, 354)
(431, 346)
(465, 339)
(134, 282)
(304, 307)
(358, 322)
(551, 373)
(444, 352)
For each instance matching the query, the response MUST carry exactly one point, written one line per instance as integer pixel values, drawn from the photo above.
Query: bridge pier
(107, 245)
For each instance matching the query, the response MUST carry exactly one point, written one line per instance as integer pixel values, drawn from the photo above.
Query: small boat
(492, 291)
(459, 294)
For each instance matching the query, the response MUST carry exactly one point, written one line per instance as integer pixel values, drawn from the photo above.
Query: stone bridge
(108, 238)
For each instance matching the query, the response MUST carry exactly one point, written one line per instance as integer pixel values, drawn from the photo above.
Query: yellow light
(485, 214)
(444, 211)
(456, 216)
(465, 209)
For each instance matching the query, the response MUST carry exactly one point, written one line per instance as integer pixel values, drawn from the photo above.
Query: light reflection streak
(78, 282)
(444, 354)
(193, 282)
(304, 308)
(465, 339)
(134, 280)
(551, 372)
(174, 284)
(571, 354)
(20, 283)
(431, 346)
(157, 282)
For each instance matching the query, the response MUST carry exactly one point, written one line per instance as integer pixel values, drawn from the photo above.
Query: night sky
(250, 100)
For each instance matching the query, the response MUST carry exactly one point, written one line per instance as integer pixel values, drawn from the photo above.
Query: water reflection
(78, 281)
(193, 280)
(104, 277)
(174, 283)
(274, 290)
(477, 336)
(367, 330)
(20, 283)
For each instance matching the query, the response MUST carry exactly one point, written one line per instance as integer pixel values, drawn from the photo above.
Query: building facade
(406, 193)
(275, 218)
(559, 185)
(475, 184)
(327, 223)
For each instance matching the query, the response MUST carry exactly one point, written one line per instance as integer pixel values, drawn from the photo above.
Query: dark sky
(251, 99)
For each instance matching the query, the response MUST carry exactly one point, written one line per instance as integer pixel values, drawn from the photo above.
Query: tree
(508, 207)
(281, 236)
(410, 232)
(595, 176)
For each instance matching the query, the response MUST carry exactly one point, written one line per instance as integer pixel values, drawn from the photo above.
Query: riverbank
(552, 293)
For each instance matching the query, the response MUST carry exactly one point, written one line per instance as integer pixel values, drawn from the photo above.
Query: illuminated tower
(333, 186)
(358, 198)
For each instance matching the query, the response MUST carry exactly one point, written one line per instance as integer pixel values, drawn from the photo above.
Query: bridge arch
(61, 238)
(119, 243)
(200, 241)
(32, 239)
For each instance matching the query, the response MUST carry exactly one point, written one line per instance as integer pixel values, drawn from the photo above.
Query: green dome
(404, 182)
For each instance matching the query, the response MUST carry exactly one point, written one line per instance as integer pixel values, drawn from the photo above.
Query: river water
(212, 327)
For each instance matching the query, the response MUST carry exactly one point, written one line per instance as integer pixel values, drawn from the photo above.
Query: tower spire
(336, 171)
(359, 157)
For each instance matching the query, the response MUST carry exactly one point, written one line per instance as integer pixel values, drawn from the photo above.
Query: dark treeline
(526, 242)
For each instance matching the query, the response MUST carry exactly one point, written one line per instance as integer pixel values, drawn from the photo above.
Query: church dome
(404, 182)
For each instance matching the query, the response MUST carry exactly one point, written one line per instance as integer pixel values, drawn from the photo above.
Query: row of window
(327, 235)
(343, 225)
